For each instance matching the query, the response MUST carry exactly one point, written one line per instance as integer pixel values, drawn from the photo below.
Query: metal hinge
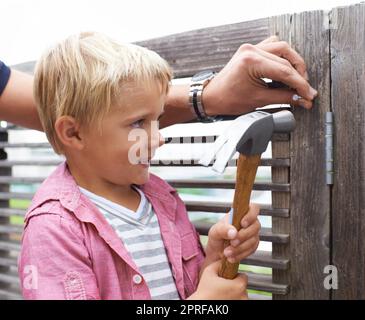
(329, 148)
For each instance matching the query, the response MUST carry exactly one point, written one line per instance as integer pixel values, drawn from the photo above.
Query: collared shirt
(70, 251)
(140, 233)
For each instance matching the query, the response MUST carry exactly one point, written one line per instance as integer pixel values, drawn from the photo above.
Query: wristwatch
(197, 85)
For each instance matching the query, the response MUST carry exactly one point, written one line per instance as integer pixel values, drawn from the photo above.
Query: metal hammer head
(248, 134)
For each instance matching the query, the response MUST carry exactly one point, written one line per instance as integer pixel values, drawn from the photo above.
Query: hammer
(249, 135)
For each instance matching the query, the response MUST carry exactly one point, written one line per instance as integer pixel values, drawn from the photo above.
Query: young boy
(101, 226)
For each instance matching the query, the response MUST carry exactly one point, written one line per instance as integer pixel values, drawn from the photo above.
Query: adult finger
(282, 49)
(273, 57)
(282, 96)
(268, 40)
(273, 70)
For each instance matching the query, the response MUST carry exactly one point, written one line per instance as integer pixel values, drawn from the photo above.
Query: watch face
(202, 75)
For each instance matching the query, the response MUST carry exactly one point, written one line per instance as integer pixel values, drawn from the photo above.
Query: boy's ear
(68, 132)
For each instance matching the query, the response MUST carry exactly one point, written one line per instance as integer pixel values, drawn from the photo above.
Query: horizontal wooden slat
(259, 258)
(11, 163)
(265, 210)
(30, 145)
(225, 184)
(10, 294)
(278, 187)
(10, 278)
(8, 212)
(177, 183)
(8, 261)
(11, 228)
(21, 180)
(10, 245)
(266, 234)
(264, 259)
(208, 48)
(15, 195)
(158, 162)
(257, 296)
(255, 282)
(191, 205)
(222, 207)
(264, 283)
(211, 139)
(267, 162)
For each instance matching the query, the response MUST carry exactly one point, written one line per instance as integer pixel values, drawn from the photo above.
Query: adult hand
(238, 88)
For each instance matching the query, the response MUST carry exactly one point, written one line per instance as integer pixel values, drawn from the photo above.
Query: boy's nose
(156, 142)
(161, 140)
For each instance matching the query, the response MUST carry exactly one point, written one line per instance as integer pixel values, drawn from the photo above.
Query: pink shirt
(69, 251)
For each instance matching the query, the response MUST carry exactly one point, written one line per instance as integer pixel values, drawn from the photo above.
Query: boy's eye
(138, 123)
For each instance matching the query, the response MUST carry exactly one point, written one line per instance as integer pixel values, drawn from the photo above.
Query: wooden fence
(318, 184)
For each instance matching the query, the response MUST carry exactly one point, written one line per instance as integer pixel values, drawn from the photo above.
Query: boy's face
(129, 136)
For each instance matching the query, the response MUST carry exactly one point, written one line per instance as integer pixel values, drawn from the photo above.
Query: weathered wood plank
(191, 51)
(208, 48)
(265, 259)
(225, 184)
(191, 205)
(8, 212)
(222, 207)
(279, 224)
(348, 197)
(11, 294)
(266, 234)
(309, 205)
(8, 245)
(263, 282)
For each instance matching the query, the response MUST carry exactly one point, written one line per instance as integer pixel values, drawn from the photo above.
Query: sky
(28, 27)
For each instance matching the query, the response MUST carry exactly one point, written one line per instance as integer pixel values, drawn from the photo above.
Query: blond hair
(83, 75)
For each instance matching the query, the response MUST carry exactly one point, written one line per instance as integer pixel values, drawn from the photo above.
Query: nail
(232, 233)
(235, 242)
(296, 97)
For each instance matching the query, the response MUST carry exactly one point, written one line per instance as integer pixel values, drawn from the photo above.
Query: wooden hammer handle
(246, 173)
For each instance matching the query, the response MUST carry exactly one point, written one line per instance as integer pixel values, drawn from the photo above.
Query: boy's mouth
(145, 162)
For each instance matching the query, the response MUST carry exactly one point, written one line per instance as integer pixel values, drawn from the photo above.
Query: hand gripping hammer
(249, 135)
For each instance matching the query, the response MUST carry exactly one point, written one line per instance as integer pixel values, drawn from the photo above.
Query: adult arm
(16, 101)
(238, 88)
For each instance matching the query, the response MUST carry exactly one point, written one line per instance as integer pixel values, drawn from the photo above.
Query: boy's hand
(213, 287)
(242, 243)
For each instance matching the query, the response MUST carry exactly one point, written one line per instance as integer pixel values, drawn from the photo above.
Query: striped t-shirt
(140, 233)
